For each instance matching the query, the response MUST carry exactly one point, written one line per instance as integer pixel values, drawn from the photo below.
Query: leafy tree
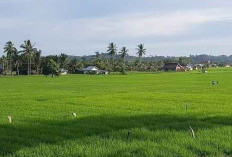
(4, 62)
(28, 50)
(72, 65)
(51, 68)
(62, 59)
(184, 60)
(10, 50)
(80, 65)
(97, 60)
(112, 50)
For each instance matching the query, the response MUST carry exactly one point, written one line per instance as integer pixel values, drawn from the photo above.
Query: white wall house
(94, 70)
(63, 72)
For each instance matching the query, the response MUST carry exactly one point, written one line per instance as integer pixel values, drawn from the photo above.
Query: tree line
(28, 60)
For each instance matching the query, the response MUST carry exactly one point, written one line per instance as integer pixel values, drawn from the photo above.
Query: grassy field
(151, 107)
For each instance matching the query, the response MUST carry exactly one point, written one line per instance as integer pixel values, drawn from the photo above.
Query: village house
(94, 70)
(63, 71)
(174, 67)
(198, 66)
(227, 65)
(189, 67)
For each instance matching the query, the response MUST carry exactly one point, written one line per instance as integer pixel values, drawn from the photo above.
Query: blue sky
(82, 27)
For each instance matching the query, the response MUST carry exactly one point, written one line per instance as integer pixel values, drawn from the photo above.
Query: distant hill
(222, 59)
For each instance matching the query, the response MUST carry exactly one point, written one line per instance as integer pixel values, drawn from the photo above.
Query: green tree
(123, 54)
(28, 50)
(72, 65)
(141, 51)
(17, 60)
(10, 50)
(4, 62)
(112, 50)
(62, 59)
(50, 67)
(37, 60)
(97, 60)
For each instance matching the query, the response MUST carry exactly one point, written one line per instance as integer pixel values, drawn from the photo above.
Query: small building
(227, 65)
(94, 70)
(189, 67)
(63, 71)
(198, 66)
(174, 67)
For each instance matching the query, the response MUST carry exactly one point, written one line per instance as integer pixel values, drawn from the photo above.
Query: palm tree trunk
(28, 66)
(10, 67)
(17, 66)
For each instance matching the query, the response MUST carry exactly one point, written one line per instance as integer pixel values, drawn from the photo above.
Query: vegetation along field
(139, 114)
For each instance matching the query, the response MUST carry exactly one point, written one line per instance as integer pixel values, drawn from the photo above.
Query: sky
(82, 27)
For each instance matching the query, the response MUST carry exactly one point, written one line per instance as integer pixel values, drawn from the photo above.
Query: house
(227, 65)
(94, 70)
(173, 67)
(63, 71)
(1, 70)
(189, 67)
(198, 66)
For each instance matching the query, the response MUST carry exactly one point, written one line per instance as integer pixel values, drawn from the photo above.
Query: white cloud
(73, 34)
(139, 25)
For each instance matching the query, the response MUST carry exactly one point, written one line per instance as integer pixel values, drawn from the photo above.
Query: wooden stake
(193, 133)
(10, 119)
(74, 114)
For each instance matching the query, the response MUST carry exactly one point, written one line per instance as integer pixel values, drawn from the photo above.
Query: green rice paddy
(139, 114)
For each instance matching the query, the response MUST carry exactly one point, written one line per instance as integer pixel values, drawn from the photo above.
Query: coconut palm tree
(141, 50)
(124, 53)
(28, 50)
(112, 50)
(10, 50)
(37, 59)
(17, 60)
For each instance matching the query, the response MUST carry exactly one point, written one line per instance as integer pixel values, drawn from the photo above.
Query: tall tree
(97, 59)
(37, 60)
(141, 50)
(17, 60)
(4, 61)
(10, 50)
(50, 67)
(72, 65)
(112, 50)
(62, 60)
(28, 50)
(123, 53)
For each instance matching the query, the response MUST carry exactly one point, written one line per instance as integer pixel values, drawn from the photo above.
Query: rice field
(139, 114)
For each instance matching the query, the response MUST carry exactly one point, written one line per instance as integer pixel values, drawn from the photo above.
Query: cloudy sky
(81, 27)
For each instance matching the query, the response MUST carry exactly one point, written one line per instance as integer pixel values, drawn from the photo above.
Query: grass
(150, 105)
